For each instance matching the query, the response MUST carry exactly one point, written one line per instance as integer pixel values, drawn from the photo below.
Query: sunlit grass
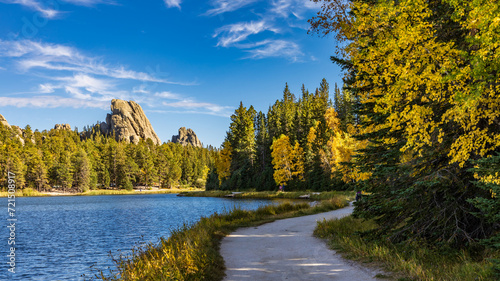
(23, 193)
(272, 194)
(415, 261)
(34, 193)
(192, 252)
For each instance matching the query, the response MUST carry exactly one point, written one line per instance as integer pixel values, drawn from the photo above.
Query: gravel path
(286, 250)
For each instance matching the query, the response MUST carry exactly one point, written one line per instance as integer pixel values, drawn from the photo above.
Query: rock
(4, 121)
(128, 122)
(62, 127)
(187, 137)
(17, 131)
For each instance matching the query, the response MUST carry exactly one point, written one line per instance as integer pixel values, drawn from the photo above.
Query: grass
(192, 252)
(24, 193)
(33, 193)
(128, 192)
(415, 261)
(272, 194)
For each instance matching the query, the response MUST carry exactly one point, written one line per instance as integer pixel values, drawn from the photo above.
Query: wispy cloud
(52, 102)
(278, 16)
(276, 48)
(168, 95)
(173, 3)
(234, 33)
(224, 6)
(36, 6)
(73, 79)
(192, 106)
(50, 9)
(37, 55)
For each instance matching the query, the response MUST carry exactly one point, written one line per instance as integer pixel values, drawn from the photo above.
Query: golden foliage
(223, 162)
(342, 146)
(287, 160)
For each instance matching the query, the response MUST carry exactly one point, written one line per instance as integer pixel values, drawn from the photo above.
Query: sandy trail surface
(286, 250)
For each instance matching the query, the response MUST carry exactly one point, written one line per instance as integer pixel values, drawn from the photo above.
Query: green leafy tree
(423, 75)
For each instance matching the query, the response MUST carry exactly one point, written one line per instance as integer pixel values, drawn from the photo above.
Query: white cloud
(173, 3)
(276, 48)
(52, 102)
(47, 88)
(73, 79)
(191, 106)
(285, 8)
(224, 6)
(234, 33)
(168, 95)
(50, 9)
(31, 54)
(279, 16)
(35, 5)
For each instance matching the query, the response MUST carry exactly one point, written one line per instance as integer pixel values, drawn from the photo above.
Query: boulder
(128, 122)
(187, 137)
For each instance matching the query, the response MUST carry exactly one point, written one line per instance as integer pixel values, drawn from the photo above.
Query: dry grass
(415, 261)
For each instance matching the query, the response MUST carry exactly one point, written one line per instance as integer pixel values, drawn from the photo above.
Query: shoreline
(97, 192)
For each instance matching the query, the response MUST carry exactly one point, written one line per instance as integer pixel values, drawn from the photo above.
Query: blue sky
(187, 63)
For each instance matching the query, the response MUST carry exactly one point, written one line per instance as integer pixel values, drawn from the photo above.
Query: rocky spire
(128, 122)
(187, 136)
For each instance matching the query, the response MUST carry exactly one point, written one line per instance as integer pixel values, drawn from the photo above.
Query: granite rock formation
(17, 132)
(187, 137)
(128, 122)
(4, 121)
(62, 127)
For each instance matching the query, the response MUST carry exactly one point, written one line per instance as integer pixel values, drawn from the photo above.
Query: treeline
(298, 144)
(65, 160)
(426, 77)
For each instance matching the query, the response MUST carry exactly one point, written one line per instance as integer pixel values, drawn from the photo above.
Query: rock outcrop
(128, 122)
(4, 121)
(17, 132)
(187, 137)
(62, 127)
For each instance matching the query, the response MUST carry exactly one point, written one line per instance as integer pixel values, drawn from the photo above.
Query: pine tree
(81, 169)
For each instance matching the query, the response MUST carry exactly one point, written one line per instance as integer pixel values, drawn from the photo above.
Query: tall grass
(272, 194)
(416, 261)
(192, 252)
(23, 193)
(33, 193)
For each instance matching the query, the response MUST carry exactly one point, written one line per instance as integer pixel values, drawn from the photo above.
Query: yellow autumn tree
(342, 147)
(223, 162)
(287, 160)
(425, 74)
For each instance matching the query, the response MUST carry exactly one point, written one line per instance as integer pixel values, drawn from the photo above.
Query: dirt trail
(286, 250)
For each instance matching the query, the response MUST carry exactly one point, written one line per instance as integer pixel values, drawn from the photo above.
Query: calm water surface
(60, 238)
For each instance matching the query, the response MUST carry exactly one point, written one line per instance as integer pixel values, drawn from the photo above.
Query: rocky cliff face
(128, 122)
(187, 137)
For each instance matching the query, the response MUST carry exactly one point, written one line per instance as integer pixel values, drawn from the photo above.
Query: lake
(60, 238)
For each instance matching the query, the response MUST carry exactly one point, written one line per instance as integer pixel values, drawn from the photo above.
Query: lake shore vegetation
(409, 261)
(192, 252)
(424, 78)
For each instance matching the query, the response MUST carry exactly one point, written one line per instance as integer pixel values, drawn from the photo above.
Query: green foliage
(245, 160)
(424, 76)
(486, 172)
(65, 161)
